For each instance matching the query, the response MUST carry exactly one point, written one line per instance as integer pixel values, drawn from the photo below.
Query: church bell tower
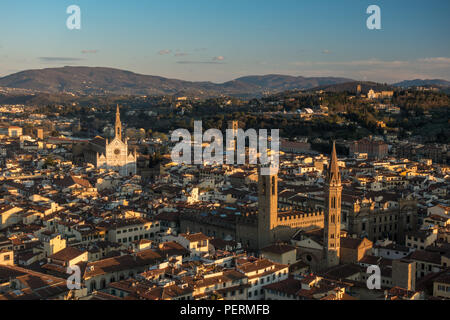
(332, 218)
(118, 126)
(267, 208)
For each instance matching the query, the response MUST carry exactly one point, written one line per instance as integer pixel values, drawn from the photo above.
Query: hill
(104, 81)
(423, 83)
(352, 85)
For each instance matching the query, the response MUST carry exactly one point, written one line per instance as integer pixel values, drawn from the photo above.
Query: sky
(221, 40)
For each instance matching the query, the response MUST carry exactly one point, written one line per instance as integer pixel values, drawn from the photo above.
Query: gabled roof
(66, 254)
(278, 248)
(352, 243)
(426, 256)
(69, 181)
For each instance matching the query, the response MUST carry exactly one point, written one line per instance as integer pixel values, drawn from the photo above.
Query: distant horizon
(219, 41)
(233, 79)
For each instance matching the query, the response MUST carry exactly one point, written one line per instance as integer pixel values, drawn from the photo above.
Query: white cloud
(59, 59)
(436, 60)
(164, 52)
(379, 70)
(219, 58)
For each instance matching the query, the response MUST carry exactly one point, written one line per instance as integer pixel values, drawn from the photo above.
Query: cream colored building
(197, 243)
(53, 244)
(9, 215)
(129, 230)
(7, 257)
(14, 131)
(441, 286)
(261, 272)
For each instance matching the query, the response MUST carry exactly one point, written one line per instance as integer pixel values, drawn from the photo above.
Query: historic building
(320, 248)
(332, 219)
(106, 154)
(270, 224)
(366, 220)
(254, 229)
(375, 149)
(267, 209)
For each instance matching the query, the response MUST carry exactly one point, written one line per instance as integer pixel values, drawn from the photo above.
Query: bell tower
(232, 147)
(332, 218)
(267, 208)
(118, 126)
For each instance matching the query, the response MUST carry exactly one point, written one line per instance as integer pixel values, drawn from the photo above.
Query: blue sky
(220, 40)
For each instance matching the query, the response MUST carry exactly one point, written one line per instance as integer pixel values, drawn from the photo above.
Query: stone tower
(404, 274)
(232, 148)
(118, 126)
(358, 90)
(332, 218)
(267, 208)
(233, 125)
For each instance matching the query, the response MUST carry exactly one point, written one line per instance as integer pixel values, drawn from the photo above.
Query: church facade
(114, 155)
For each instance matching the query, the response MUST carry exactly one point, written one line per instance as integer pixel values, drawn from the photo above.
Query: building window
(273, 186)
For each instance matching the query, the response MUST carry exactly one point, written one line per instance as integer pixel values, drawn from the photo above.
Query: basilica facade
(114, 154)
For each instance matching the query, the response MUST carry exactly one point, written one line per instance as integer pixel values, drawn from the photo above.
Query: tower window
(273, 185)
(333, 203)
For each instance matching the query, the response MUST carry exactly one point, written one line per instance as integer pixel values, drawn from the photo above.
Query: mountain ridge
(104, 81)
(422, 82)
(100, 80)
